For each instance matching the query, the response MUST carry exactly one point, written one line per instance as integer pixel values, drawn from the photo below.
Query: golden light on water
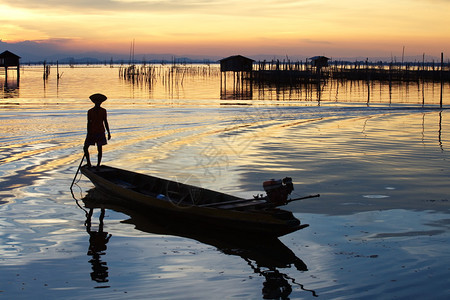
(41, 221)
(380, 167)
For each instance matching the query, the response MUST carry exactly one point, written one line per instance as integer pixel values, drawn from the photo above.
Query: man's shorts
(96, 138)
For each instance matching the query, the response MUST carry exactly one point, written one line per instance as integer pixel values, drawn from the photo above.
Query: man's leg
(86, 153)
(100, 154)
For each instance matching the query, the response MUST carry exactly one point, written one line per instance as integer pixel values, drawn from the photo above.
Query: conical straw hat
(97, 98)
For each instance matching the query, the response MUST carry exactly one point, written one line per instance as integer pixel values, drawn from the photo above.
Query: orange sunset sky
(346, 28)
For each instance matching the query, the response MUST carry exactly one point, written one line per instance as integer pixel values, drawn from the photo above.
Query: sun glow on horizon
(192, 27)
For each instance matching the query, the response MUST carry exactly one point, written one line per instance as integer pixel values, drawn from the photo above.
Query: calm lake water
(378, 154)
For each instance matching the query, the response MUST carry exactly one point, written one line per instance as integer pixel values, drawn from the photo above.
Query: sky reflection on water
(380, 226)
(200, 84)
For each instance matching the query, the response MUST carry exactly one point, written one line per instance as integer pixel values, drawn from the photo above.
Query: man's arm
(88, 126)
(107, 126)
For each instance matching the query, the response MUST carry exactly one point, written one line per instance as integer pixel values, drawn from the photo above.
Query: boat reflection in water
(265, 255)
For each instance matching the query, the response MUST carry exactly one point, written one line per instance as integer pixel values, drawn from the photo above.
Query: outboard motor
(287, 181)
(278, 190)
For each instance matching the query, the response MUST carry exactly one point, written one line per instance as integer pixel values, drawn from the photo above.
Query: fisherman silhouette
(96, 125)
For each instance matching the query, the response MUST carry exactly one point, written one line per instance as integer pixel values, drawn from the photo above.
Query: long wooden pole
(302, 198)
(79, 167)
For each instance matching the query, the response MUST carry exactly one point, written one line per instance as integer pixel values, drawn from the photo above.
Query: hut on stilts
(241, 68)
(7, 60)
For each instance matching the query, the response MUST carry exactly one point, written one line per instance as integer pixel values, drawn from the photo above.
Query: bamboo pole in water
(442, 79)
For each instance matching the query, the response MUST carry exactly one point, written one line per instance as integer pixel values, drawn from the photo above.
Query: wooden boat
(192, 204)
(266, 251)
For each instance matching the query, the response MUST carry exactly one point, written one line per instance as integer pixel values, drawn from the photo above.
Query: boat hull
(129, 189)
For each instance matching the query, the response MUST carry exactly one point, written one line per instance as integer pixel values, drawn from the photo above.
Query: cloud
(37, 50)
(102, 6)
(228, 7)
(284, 26)
(315, 42)
(50, 43)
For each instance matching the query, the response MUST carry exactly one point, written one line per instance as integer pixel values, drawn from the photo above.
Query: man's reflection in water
(277, 285)
(97, 246)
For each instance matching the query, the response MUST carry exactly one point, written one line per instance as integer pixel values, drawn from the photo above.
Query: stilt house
(9, 59)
